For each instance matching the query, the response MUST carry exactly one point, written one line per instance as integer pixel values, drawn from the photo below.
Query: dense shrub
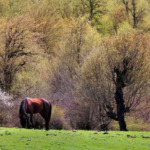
(85, 115)
(5, 106)
(58, 120)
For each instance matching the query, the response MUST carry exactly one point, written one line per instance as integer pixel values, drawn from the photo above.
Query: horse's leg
(47, 124)
(31, 119)
(28, 122)
(45, 117)
(47, 112)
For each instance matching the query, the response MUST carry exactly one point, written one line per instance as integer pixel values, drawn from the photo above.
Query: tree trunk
(7, 80)
(91, 9)
(120, 108)
(134, 14)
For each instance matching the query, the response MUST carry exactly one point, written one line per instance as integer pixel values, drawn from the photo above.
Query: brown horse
(32, 106)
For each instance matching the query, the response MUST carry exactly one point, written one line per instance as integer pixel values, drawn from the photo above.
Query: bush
(134, 123)
(58, 120)
(85, 115)
(5, 106)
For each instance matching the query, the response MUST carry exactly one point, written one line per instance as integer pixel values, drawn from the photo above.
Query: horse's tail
(22, 113)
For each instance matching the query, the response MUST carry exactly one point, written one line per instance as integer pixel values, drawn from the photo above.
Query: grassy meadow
(22, 139)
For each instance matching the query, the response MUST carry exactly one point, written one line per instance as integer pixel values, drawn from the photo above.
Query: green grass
(23, 139)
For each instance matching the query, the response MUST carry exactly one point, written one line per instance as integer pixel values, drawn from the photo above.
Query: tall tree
(116, 80)
(128, 65)
(14, 50)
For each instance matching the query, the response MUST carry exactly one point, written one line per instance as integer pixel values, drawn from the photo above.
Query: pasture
(23, 139)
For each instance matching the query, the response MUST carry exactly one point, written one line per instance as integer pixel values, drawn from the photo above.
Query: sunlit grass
(21, 139)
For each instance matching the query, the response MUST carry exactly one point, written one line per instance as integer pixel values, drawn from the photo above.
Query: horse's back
(35, 105)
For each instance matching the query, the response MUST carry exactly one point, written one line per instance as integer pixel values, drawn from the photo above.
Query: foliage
(58, 120)
(70, 52)
(32, 81)
(47, 23)
(15, 42)
(134, 47)
(127, 65)
(136, 11)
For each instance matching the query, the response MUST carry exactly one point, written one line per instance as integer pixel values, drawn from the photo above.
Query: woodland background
(73, 52)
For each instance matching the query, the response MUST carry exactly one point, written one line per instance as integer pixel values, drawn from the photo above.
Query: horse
(33, 106)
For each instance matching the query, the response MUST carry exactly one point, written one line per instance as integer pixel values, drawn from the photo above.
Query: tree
(93, 7)
(128, 63)
(115, 76)
(136, 10)
(14, 50)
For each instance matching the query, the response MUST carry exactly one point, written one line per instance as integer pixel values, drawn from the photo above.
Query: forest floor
(30, 139)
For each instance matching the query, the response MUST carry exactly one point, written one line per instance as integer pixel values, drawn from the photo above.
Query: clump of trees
(90, 58)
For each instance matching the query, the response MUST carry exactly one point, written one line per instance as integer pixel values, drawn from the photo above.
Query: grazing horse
(32, 106)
